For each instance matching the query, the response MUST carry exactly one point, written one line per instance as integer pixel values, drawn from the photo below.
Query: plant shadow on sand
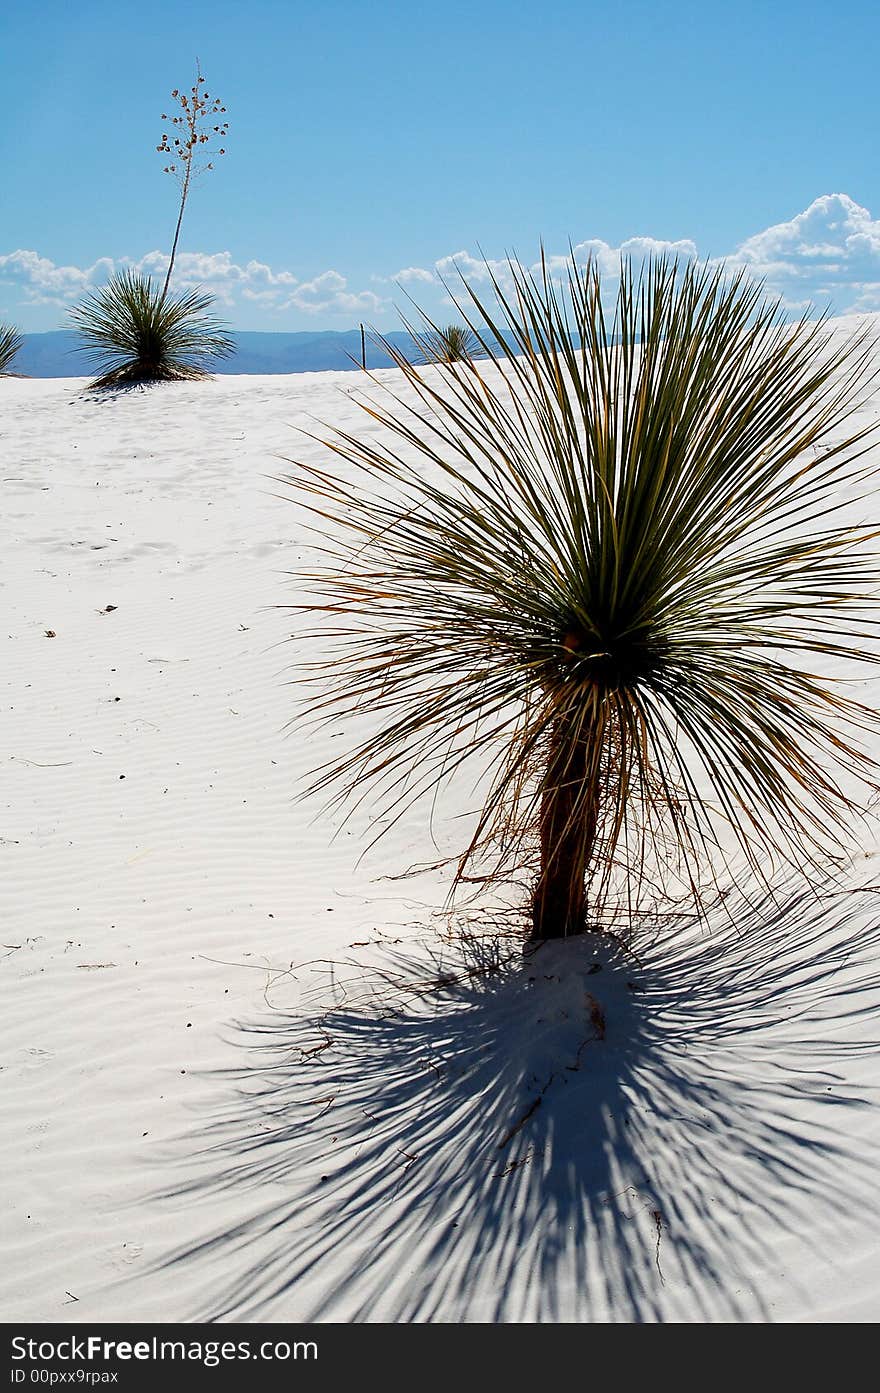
(445, 1137)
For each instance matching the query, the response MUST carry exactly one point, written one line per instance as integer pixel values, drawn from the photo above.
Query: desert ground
(250, 1074)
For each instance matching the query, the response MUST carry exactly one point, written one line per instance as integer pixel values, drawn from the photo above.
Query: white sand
(712, 1158)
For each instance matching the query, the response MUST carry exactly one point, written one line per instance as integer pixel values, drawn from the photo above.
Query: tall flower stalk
(192, 135)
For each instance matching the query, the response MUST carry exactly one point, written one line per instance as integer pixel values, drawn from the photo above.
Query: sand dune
(178, 1139)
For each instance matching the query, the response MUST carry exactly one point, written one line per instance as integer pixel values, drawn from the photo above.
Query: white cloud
(329, 293)
(39, 281)
(259, 273)
(829, 253)
(414, 273)
(47, 284)
(475, 270)
(607, 258)
(219, 273)
(462, 264)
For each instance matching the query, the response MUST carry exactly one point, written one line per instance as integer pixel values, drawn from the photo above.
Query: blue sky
(370, 140)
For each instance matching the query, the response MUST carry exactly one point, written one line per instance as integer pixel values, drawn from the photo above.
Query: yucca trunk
(569, 823)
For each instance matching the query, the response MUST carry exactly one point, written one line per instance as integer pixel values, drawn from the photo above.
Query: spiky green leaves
(452, 343)
(137, 334)
(624, 545)
(10, 346)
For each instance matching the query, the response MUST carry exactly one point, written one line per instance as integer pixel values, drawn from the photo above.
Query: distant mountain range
(55, 354)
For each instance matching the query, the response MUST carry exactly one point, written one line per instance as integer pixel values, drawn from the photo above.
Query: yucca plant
(135, 332)
(11, 341)
(454, 343)
(140, 334)
(614, 568)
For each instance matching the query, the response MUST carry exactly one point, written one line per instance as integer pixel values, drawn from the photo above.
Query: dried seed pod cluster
(191, 129)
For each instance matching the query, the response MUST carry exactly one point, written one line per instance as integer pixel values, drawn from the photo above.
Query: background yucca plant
(141, 334)
(609, 567)
(454, 343)
(11, 341)
(135, 332)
